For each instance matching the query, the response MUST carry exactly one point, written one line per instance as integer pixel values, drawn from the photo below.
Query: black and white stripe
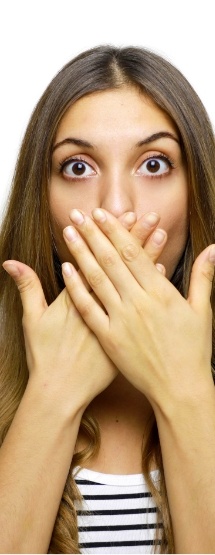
(118, 514)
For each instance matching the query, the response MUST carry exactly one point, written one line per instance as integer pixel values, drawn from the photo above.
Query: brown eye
(77, 168)
(155, 166)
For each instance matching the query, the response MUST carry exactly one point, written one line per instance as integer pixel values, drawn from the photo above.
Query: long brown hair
(26, 233)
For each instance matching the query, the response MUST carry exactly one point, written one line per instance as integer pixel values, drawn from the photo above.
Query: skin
(117, 179)
(114, 123)
(76, 345)
(176, 379)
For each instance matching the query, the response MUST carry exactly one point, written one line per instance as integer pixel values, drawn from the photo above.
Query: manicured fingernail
(70, 233)
(129, 217)
(11, 269)
(99, 215)
(158, 236)
(150, 219)
(76, 216)
(67, 269)
(212, 254)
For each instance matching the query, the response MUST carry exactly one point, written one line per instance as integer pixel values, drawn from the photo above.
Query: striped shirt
(117, 515)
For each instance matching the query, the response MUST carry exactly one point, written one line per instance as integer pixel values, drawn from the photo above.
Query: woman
(113, 373)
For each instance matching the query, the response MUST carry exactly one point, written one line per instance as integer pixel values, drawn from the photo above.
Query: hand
(160, 341)
(143, 232)
(63, 355)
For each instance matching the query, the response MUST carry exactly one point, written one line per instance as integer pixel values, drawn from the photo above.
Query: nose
(116, 196)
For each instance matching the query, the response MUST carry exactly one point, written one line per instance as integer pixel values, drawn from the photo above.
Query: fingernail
(11, 269)
(67, 269)
(212, 254)
(99, 215)
(150, 219)
(160, 268)
(70, 233)
(129, 218)
(76, 216)
(158, 236)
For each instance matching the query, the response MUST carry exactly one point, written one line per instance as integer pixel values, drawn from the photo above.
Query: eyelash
(77, 158)
(161, 156)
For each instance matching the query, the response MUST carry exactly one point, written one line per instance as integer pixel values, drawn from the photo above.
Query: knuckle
(130, 252)
(208, 272)
(108, 259)
(96, 278)
(85, 309)
(141, 309)
(25, 285)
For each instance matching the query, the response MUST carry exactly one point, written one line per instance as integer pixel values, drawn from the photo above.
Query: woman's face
(117, 150)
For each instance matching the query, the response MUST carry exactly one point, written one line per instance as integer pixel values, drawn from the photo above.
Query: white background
(37, 37)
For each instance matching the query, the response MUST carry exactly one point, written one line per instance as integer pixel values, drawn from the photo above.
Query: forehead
(126, 110)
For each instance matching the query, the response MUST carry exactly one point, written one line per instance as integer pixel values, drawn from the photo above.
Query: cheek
(174, 212)
(59, 220)
(177, 229)
(59, 207)
(63, 199)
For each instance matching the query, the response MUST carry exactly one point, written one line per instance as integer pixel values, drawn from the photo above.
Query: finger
(142, 231)
(106, 238)
(202, 279)
(155, 244)
(128, 220)
(161, 268)
(143, 227)
(93, 272)
(87, 286)
(92, 313)
(29, 286)
(83, 279)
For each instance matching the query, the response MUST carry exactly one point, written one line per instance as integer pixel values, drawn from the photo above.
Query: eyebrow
(157, 136)
(73, 141)
(147, 140)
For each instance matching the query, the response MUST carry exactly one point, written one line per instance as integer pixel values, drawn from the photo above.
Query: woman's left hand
(160, 341)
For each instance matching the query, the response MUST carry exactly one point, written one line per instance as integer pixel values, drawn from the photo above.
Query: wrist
(52, 402)
(184, 399)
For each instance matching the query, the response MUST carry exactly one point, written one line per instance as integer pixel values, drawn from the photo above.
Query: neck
(123, 415)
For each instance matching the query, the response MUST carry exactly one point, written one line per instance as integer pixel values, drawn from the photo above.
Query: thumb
(201, 279)
(29, 286)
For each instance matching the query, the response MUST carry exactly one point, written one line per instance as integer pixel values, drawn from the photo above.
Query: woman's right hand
(64, 357)
(67, 369)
